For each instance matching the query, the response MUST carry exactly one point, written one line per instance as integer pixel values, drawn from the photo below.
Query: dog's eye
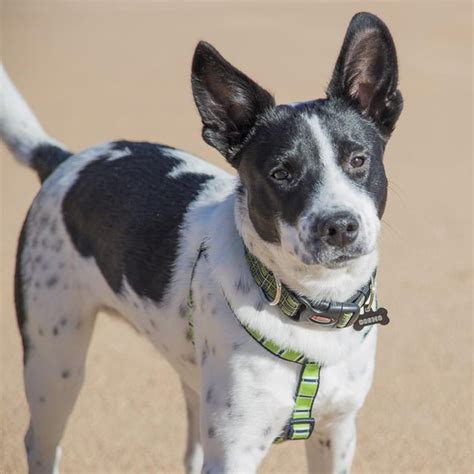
(357, 161)
(280, 174)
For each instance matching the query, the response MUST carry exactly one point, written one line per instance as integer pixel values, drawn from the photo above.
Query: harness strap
(301, 423)
(189, 314)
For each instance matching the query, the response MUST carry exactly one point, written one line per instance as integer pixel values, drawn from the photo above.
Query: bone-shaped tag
(369, 318)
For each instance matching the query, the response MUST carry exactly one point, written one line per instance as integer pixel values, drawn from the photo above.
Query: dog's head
(312, 173)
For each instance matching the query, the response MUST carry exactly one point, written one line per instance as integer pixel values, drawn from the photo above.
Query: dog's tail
(22, 133)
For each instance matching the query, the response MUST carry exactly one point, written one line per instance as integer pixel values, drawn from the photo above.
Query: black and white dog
(119, 227)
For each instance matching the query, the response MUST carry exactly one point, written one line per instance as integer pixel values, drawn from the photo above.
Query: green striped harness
(334, 315)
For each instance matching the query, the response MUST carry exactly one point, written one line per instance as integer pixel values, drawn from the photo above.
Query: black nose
(338, 229)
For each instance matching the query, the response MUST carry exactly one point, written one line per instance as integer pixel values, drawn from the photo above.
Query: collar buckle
(328, 314)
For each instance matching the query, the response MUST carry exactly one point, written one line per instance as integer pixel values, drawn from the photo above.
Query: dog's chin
(340, 262)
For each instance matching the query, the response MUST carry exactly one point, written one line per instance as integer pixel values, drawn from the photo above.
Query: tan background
(100, 70)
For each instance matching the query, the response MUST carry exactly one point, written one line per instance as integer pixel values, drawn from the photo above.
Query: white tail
(19, 128)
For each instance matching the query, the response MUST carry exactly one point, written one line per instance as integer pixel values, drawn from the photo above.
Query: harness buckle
(294, 433)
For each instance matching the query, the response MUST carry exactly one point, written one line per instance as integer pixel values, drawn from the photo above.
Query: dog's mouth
(340, 261)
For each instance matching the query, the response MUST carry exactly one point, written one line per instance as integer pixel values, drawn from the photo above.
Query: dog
(176, 246)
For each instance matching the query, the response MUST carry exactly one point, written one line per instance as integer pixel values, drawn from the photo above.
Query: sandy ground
(100, 70)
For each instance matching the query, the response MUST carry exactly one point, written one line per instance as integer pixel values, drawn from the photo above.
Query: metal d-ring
(277, 298)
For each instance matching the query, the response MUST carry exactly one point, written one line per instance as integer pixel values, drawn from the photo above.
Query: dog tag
(369, 318)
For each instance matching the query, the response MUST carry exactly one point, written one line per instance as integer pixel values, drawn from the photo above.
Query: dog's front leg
(193, 456)
(245, 402)
(235, 439)
(332, 450)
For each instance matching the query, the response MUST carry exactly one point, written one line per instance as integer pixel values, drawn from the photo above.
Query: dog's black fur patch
(46, 158)
(127, 212)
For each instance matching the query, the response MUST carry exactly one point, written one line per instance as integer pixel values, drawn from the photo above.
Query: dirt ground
(96, 70)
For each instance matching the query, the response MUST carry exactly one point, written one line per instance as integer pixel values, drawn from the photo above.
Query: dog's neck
(313, 281)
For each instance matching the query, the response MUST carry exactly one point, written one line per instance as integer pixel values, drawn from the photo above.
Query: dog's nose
(338, 230)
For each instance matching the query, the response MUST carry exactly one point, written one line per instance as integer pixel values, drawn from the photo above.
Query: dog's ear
(229, 102)
(366, 72)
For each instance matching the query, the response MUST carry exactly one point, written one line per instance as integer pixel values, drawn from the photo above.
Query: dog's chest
(344, 386)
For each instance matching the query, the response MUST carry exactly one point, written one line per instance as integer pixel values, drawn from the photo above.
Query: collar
(329, 314)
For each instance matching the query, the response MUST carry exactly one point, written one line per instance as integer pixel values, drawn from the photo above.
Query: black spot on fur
(243, 286)
(183, 310)
(20, 293)
(65, 374)
(205, 352)
(57, 246)
(40, 332)
(126, 214)
(211, 432)
(63, 322)
(42, 399)
(50, 282)
(209, 395)
(46, 158)
(190, 359)
(236, 346)
(55, 331)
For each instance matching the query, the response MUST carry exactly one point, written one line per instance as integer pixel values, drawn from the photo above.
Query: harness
(360, 311)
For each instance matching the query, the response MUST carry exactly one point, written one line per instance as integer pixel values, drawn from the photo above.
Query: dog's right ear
(229, 102)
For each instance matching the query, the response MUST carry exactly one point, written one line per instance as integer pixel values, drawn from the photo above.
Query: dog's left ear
(366, 72)
(229, 102)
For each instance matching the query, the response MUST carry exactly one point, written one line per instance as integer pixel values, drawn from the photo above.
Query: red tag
(320, 319)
